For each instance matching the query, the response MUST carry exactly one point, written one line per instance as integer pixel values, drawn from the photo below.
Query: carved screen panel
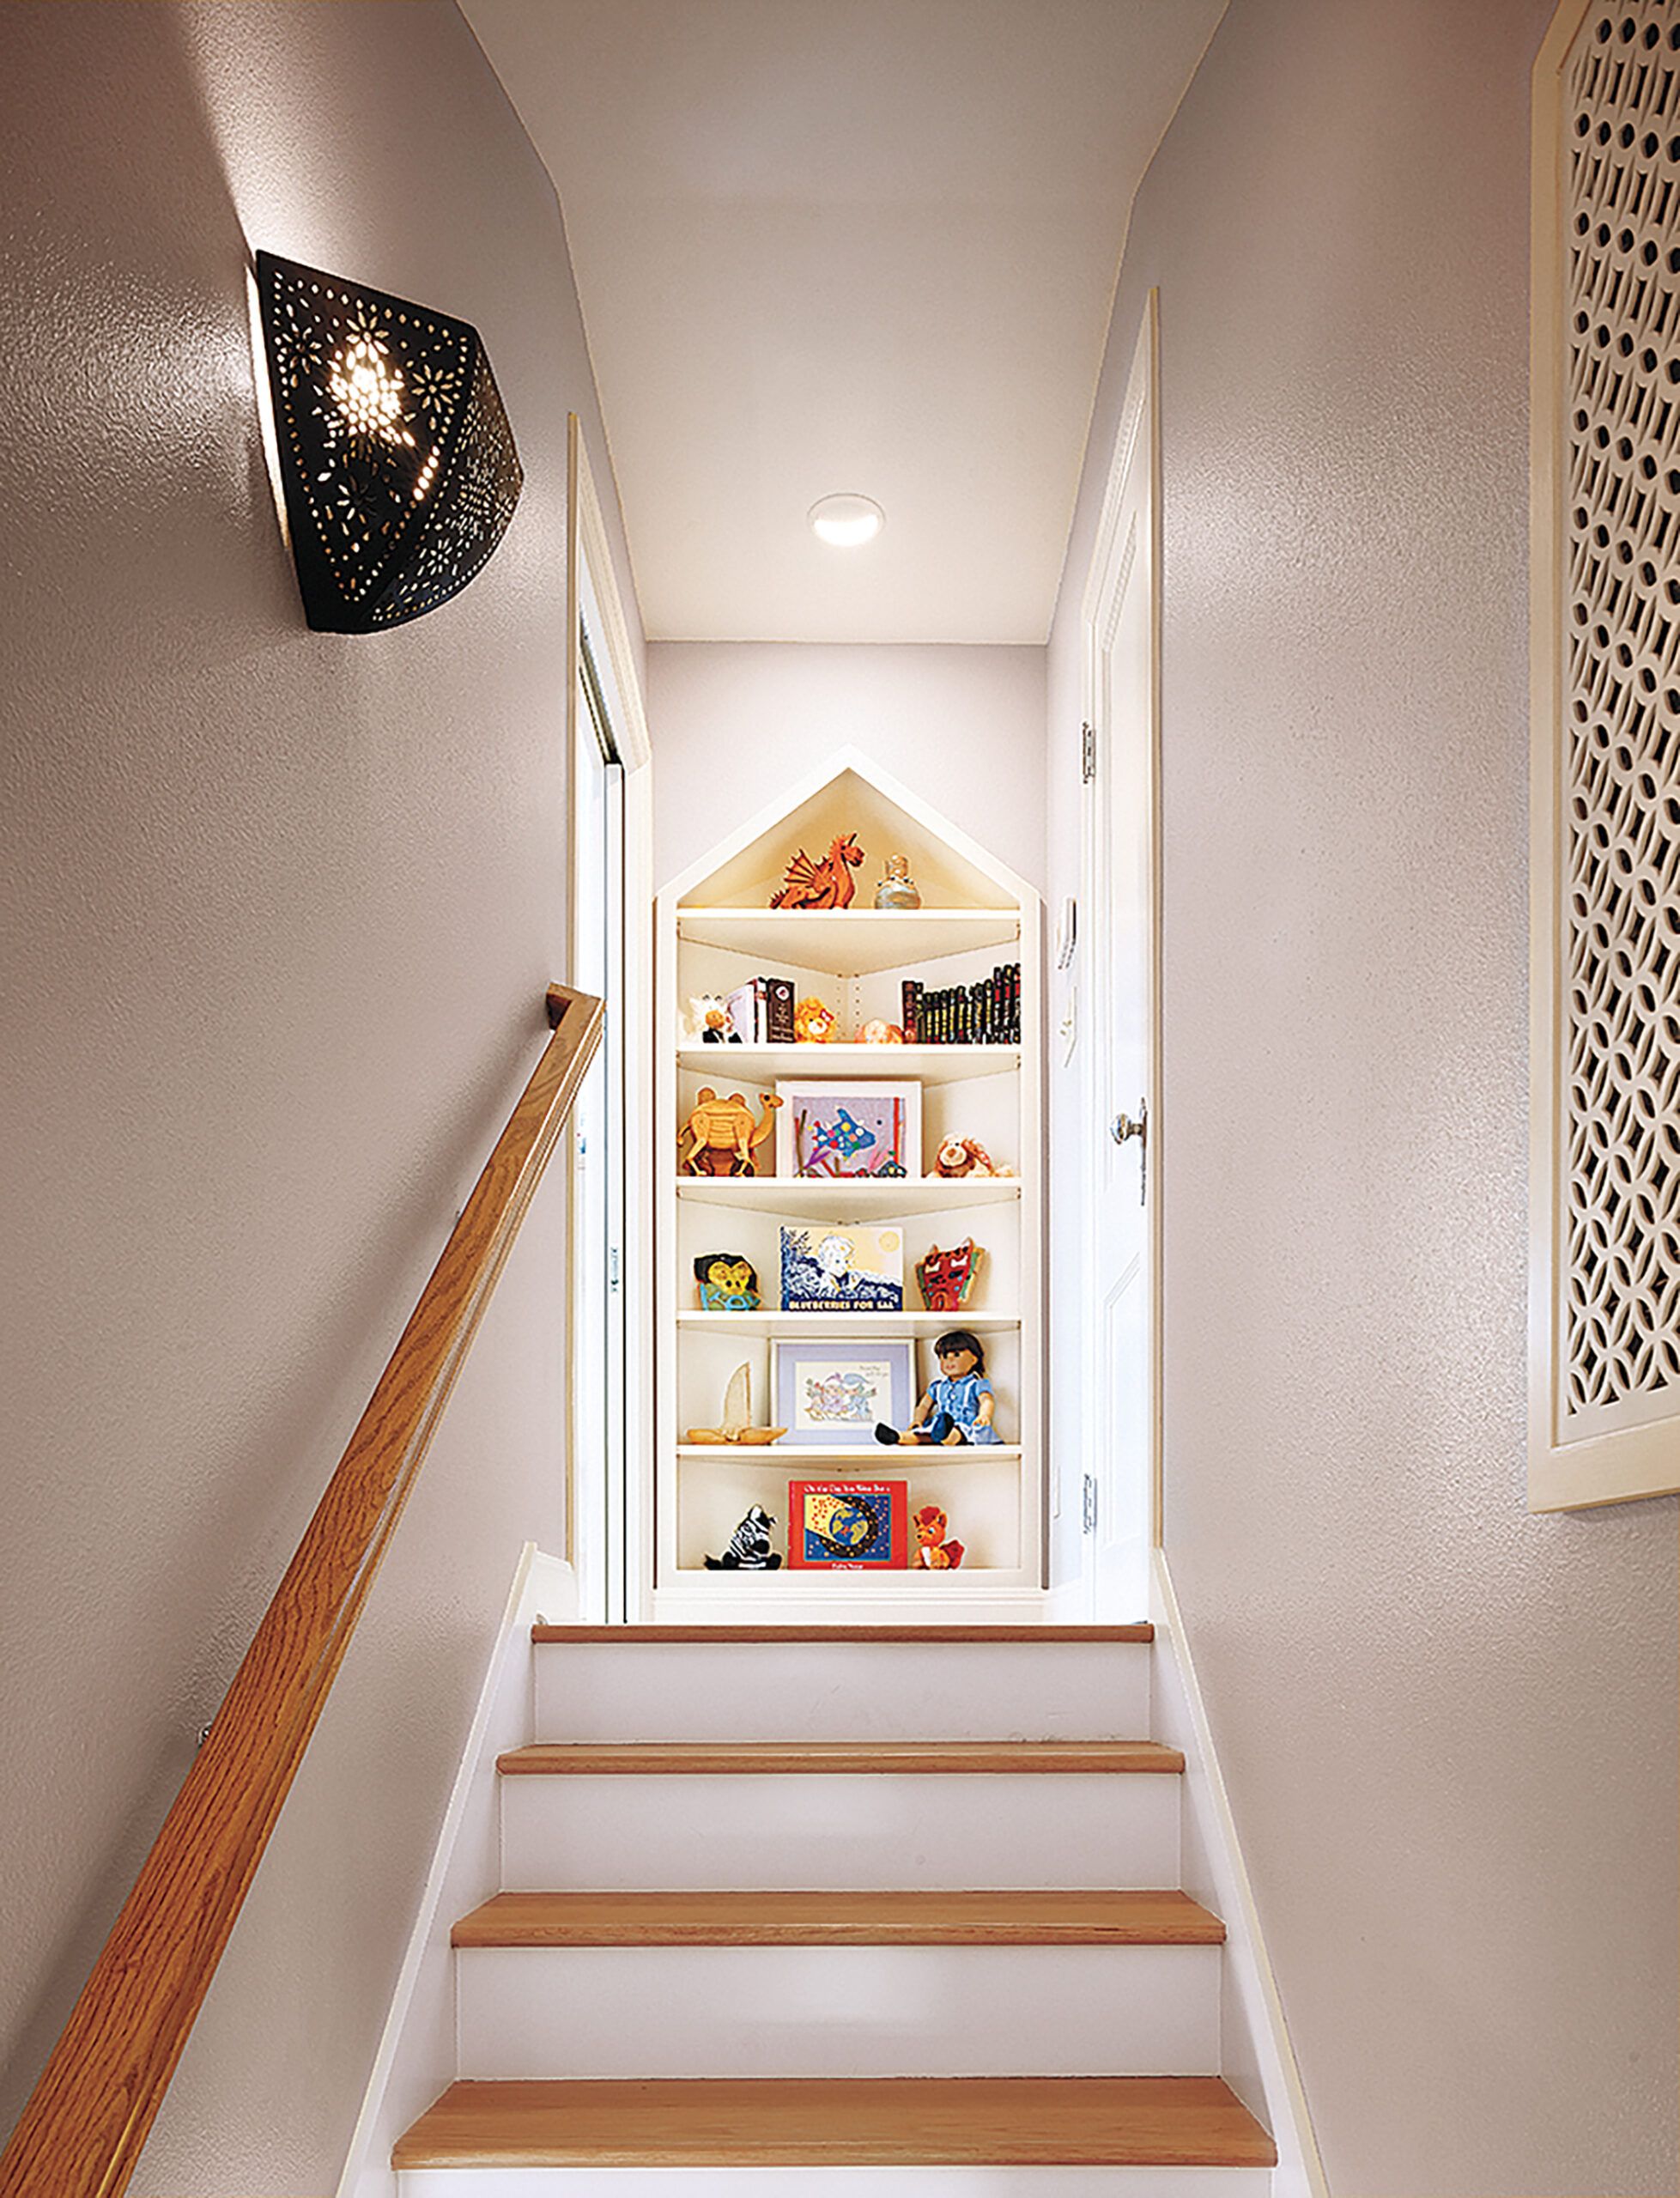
(1615, 845)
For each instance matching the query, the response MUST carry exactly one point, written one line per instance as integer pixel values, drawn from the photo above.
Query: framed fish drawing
(848, 1132)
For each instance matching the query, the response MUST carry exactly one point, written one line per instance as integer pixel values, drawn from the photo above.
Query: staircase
(819, 1899)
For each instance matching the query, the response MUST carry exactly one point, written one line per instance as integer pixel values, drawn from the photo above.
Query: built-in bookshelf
(715, 933)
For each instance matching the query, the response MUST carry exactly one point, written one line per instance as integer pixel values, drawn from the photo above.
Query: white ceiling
(846, 245)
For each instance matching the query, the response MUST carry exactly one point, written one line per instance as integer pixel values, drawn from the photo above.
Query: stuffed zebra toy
(749, 1546)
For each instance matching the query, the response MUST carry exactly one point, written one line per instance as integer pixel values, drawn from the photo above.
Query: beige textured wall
(1447, 1726)
(279, 909)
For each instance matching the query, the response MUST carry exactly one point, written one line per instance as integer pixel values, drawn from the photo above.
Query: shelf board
(848, 1327)
(926, 1064)
(849, 942)
(860, 1201)
(821, 1580)
(783, 1454)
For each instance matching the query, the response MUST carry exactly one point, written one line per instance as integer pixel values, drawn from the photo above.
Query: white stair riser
(836, 2182)
(808, 1689)
(838, 2011)
(745, 1833)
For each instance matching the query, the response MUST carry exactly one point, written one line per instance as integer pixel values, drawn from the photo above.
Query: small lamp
(395, 458)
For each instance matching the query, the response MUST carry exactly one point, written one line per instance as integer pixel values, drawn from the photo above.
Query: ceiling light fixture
(847, 521)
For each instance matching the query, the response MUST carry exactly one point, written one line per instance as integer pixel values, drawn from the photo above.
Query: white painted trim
(1104, 584)
(838, 2183)
(416, 2056)
(593, 592)
(594, 606)
(1178, 1717)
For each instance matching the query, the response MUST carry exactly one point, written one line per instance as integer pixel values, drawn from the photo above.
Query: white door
(598, 1160)
(1119, 891)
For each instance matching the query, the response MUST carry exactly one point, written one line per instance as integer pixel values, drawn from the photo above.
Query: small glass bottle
(897, 889)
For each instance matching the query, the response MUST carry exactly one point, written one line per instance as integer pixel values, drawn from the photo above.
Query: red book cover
(847, 1526)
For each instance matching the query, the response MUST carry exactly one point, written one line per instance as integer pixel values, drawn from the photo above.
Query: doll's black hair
(960, 1340)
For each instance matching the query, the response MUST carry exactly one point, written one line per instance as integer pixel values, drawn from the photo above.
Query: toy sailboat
(737, 1414)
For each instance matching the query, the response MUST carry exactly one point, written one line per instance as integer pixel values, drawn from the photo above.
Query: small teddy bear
(965, 1155)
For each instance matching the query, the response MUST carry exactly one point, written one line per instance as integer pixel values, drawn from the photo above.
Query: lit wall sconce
(395, 458)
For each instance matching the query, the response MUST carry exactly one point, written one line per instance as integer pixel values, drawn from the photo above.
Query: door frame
(598, 632)
(1139, 417)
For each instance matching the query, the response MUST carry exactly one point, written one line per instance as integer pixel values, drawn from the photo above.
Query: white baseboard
(1259, 2062)
(416, 2057)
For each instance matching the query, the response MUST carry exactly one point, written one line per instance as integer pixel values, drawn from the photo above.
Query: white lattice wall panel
(1619, 902)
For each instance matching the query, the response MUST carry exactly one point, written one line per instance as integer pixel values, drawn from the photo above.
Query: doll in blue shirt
(959, 1405)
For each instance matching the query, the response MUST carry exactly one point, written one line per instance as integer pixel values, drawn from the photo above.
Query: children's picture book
(844, 1269)
(847, 1526)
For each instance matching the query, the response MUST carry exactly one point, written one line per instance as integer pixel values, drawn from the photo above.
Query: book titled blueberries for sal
(842, 1270)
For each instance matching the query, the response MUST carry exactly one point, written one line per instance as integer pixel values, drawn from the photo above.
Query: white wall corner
(417, 2059)
(1258, 2060)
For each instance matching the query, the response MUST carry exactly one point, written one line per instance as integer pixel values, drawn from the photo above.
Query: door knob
(1123, 1126)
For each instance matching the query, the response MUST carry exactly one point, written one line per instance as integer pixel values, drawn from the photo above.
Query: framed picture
(844, 1269)
(831, 1394)
(848, 1132)
(847, 1526)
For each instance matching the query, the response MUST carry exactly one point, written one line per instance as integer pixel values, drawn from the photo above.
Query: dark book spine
(777, 996)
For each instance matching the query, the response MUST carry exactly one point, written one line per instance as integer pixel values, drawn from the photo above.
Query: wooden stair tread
(730, 1758)
(840, 1919)
(688, 1635)
(905, 2121)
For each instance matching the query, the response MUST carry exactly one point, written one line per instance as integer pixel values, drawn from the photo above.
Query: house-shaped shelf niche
(971, 904)
(716, 930)
(851, 796)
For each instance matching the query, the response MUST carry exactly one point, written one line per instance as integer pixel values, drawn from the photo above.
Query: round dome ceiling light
(847, 521)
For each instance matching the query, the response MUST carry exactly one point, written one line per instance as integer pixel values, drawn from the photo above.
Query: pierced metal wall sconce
(397, 460)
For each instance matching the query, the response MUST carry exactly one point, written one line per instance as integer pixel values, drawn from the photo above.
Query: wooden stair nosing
(908, 1918)
(685, 1759)
(691, 1635)
(904, 2121)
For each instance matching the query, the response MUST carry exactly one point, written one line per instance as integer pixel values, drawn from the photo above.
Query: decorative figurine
(727, 1283)
(706, 1023)
(957, 1407)
(724, 1135)
(947, 1278)
(749, 1546)
(813, 1022)
(878, 1033)
(965, 1155)
(933, 1552)
(738, 1411)
(897, 889)
(825, 884)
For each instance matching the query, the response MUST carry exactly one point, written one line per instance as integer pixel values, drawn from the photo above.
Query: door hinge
(1088, 1522)
(612, 1267)
(1087, 753)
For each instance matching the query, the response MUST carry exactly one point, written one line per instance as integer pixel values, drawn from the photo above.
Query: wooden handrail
(81, 2134)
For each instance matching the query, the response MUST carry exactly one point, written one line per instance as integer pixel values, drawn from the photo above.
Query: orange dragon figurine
(825, 884)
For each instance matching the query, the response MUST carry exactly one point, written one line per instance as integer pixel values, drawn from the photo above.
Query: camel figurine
(722, 1135)
(825, 884)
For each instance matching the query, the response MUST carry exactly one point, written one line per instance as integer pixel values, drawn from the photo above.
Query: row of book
(983, 1014)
